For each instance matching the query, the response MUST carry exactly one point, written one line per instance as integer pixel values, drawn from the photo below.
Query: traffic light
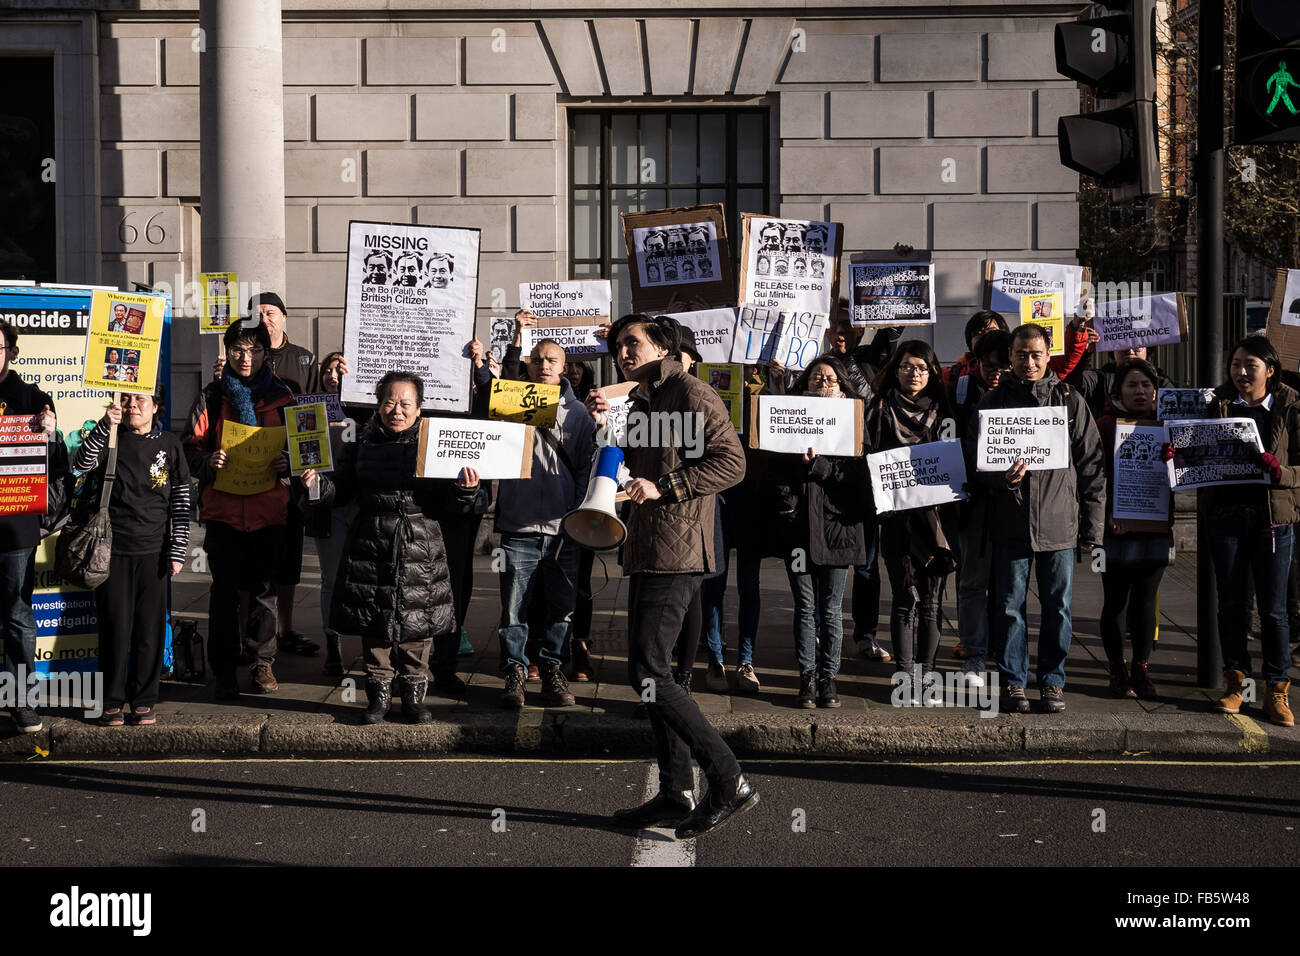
(1268, 72)
(1116, 56)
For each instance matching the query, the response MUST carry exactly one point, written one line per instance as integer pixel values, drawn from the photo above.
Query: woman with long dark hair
(820, 499)
(909, 408)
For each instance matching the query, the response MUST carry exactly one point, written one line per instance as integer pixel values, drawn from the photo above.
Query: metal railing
(1179, 362)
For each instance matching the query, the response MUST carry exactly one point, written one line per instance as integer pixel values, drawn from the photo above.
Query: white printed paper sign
(412, 292)
(679, 254)
(892, 293)
(493, 449)
(1215, 451)
(794, 339)
(1140, 490)
(794, 423)
(1008, 282)
(576, 299)
(714, 330)
(1040, 437)
(918, 476)
(1142, 322)
(789, 263)
(1174, 403)
(579, 341)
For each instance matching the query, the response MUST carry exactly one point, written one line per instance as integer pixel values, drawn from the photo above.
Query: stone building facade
(930, 122)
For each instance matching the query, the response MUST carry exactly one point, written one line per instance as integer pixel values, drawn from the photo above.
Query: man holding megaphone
(668, 549)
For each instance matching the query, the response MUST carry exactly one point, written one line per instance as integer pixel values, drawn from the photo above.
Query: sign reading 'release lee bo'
(1039, 437)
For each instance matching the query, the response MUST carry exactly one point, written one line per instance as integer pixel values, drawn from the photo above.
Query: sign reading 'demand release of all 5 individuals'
(794, 423)
(1039, 437)
(411, 296)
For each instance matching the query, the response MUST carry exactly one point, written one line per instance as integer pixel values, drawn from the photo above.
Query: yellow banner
(524, 402)
(1048, 310)
(220, 303)
(309, 440)
(124, 343)
(251, 450)
(727, 380)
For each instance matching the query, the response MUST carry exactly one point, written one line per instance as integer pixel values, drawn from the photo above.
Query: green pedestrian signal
(1277, 84)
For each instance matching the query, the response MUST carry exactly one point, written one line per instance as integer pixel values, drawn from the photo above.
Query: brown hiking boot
(513, 695)
(1276, 705)
(582, 669)
(555, 688)
(264, 681)
(1230, 702)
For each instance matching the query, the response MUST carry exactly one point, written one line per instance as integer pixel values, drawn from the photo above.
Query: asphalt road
(488, 812)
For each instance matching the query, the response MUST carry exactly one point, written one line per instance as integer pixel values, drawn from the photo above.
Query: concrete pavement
(313, 715)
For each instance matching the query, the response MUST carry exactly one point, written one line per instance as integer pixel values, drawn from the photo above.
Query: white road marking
(657, 846)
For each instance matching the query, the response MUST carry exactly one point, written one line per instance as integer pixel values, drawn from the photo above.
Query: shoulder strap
(549, 437)
(963, 388)
(110, 471)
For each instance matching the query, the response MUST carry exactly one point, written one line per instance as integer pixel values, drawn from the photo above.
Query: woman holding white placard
(910, 407)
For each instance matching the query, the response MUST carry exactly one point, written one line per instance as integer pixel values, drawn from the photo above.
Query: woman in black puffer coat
(393, 586)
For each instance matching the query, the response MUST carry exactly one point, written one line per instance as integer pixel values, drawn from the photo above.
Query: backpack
(187, 653)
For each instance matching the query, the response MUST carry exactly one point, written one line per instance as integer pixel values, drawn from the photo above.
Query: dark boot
(666, 807)
(1120, 685)
(333, 655)
(555, 688)
(582, 669)
(413, 691)
(683, 679)
(379, 691)
(1142, 685)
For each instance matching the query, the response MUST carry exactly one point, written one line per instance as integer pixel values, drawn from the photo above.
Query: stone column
(241, 144)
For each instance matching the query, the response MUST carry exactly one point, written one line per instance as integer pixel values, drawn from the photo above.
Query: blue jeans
(532, 560)
(866, 588)
(712, 591)
(17, 576)
(818, 617)
(1055, 573)
(1235, 550)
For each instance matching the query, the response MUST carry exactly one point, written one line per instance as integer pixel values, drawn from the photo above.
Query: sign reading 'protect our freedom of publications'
(411, 296)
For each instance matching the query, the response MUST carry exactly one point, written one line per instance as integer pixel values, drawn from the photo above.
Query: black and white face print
(408, 269)
(676, 254)
(790, 264)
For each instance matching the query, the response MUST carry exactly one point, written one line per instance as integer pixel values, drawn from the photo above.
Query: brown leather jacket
(674, 535)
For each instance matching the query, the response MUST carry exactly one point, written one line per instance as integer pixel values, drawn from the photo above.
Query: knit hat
(266, 298)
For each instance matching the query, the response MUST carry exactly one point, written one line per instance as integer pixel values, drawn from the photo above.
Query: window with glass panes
(622, 161)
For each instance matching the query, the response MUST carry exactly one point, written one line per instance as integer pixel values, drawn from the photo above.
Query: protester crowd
(397, 550)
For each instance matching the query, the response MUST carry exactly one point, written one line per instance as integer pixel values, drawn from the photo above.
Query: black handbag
(84, 549)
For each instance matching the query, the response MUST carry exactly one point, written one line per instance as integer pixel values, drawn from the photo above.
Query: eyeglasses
(913, 370)
(823, 380)
(237, 353)
(390, 406)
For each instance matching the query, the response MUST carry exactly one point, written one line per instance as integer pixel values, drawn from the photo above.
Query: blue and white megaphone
(593, 524)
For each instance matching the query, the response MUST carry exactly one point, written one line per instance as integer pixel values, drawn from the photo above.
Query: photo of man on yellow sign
(524, 402)
(309, 438)
(1048, 310)
(251, 451)
(124, 344)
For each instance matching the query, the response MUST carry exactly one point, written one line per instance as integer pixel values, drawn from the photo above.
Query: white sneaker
(974, 679)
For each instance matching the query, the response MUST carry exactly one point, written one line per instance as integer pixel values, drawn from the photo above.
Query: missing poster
(412, 292)
(676, 255)
(790, 263)
(1140, 491)
(892, 293)
(1048, 310)
(1039, 437)
(1214, 451)
(918, 476)
(124, 343)
(1290, 313)
(309, 438)
(218, 301)
(728, 381)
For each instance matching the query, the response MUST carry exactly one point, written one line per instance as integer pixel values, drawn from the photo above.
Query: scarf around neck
(908, 421)
(243, 397)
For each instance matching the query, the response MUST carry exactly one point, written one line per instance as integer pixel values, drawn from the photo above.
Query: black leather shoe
(664, 808)
(715, 809)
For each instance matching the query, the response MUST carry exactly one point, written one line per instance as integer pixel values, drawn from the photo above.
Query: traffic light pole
(1209, 304)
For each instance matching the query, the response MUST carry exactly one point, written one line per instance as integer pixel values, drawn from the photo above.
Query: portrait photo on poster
(791, 263)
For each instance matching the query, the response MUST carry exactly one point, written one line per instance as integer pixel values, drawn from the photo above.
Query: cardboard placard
(124, 343)
(1038, 436)
(309, 439)
(792, 424)
(1281, 326)
(24, 467)
(525, 402)
(714, 331)
(219, 301)
(250, 451)
(891, 292)
(1005, 283)
(918, 476)
(790, 264)
(660, 245)
(1210, 452)
(727, 380)
(614, 431)
(1140, 486)
(1145, 321)
(496, 450)
(410, 303)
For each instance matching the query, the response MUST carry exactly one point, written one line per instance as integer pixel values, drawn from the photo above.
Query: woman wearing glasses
(909, 409)
(149, 508)
(819, 498)
(244, 520)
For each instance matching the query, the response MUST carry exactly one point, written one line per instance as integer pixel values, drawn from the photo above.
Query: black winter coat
(394, 583)
(823, 504)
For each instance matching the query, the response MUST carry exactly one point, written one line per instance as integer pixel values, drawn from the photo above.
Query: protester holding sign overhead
(149, 509)
(820, 510)
(244, 532)
(1250, 526)
(1136, 558)
(909, 408)
(1039, 517)
(394, 588)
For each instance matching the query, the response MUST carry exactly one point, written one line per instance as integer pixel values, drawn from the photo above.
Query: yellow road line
(528, 732)
(1253, 738)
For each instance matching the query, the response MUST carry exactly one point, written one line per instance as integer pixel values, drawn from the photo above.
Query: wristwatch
(665, 486)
